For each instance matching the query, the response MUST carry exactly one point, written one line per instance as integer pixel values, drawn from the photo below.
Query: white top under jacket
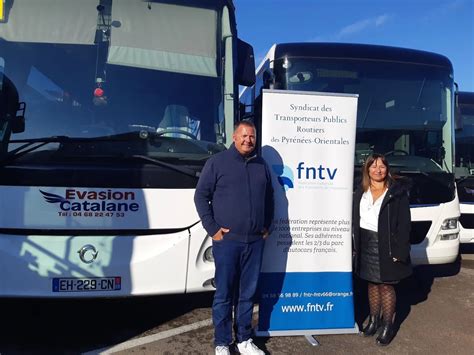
(369, 211)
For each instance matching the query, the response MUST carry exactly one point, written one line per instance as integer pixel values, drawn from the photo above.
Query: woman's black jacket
(393, 231)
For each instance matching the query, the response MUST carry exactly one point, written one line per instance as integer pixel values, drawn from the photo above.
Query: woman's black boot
(386, 335)
(371, 327)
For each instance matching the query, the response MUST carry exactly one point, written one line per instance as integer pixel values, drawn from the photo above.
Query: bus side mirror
(458, 124)
(18, 122)
(11, 109)
(245, 64)
(268, 79)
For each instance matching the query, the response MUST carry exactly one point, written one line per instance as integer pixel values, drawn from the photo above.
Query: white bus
(121, 104)
(465, 165)
(405, 110)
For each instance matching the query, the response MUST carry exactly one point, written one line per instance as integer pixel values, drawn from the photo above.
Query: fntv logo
(303, 172)
(285, 176)
(94, 201)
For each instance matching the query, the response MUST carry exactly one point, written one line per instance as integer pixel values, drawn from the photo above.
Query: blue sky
(440, 26)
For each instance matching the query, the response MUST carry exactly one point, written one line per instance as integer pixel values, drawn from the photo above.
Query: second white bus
(405, 111)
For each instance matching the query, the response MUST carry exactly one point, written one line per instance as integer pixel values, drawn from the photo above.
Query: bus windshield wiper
(424, 173)
(462, 178)
(31, 145)
(366, 113)
(421, 91)
(412, 171)
(180, 169)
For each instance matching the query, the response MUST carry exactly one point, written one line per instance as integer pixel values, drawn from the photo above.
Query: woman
(381, 228)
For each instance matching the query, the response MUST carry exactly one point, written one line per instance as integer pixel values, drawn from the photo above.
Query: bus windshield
(403, 110)
(104, 78)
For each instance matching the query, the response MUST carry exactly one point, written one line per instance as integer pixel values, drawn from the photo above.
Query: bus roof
(203, 2)
(360, 51)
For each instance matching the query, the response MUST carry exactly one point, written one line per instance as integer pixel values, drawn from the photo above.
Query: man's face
(244, 139)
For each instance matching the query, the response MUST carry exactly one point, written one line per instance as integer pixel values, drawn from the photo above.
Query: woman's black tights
(382, 297)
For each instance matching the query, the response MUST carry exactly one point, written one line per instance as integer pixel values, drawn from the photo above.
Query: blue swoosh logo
(52, 198)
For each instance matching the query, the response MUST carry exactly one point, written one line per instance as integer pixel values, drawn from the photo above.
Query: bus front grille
(467, 220)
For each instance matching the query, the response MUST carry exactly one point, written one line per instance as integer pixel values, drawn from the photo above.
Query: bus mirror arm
(243, 114)
(442, 153)
(458, 122)
(18, 121)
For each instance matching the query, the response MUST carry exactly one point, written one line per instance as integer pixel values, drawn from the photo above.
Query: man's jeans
(237, 271)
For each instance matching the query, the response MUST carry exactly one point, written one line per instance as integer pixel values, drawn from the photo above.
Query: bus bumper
(439, 245)
(51, 266)
(441, 252)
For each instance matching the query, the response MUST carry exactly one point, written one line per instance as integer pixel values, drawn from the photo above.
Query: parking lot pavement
(435, 316)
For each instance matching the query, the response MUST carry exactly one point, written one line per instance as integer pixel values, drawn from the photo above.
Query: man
(234, 199)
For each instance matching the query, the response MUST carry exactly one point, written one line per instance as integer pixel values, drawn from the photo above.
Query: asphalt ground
(435, 316)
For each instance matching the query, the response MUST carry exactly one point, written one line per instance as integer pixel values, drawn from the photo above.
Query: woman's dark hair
(365, 170)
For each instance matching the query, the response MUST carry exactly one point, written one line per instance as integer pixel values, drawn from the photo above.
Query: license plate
(87, 284)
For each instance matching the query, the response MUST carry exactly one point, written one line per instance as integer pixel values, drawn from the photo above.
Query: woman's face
(378, 171)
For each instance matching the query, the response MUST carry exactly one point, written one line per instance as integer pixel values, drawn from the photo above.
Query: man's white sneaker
(249, 348)
(222, 350)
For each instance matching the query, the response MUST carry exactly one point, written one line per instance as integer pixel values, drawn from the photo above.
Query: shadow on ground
(466, 248)
(50, 326)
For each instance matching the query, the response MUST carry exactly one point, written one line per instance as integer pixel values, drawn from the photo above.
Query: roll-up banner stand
(308, 142)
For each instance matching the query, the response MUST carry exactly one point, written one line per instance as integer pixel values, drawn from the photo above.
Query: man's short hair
(247, 123)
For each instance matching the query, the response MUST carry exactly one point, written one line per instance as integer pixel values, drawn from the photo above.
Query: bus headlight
(208, 255)
(448, 236)
(451, 223)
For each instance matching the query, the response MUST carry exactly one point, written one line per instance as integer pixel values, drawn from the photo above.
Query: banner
(308, 142)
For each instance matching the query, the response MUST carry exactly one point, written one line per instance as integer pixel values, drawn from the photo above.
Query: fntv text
(315, 173)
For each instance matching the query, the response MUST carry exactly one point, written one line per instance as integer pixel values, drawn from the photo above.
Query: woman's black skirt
(369, 257)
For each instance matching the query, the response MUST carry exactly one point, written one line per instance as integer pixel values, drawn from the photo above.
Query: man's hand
(220, 234)
(265, 233)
